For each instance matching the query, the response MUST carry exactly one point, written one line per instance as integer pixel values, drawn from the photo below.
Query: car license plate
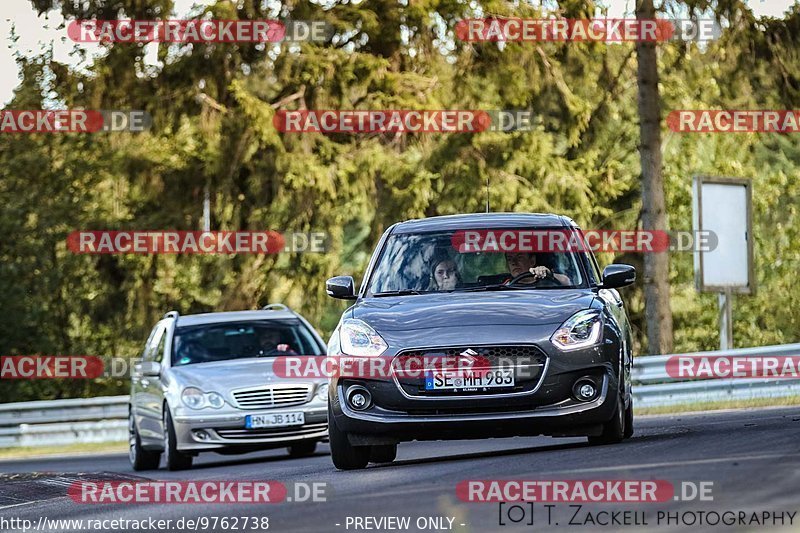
(486, 378)
(275, 420)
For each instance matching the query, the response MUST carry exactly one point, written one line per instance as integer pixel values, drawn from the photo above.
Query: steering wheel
(550, 282)
(522, 276)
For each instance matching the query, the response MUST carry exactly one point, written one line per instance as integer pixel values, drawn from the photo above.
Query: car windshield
(239, 340)
(414, 263)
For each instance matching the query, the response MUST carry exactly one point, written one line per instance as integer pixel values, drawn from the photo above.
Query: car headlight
(581, 330)
(359, 339)
(322, 392)
(194, 398)
(215, 400)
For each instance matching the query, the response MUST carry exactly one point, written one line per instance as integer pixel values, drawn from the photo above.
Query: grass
(67, 449)
(718, 405)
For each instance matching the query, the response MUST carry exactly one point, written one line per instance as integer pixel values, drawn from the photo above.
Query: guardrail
(60, 422)
(104, 419)
(653, 387)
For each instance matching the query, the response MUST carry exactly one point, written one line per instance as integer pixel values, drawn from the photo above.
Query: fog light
(358, 397)
(584, 390)
(359, 400)
(200, 435)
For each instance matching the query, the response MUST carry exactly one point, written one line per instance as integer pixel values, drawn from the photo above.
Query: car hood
(221, 376)
(514, 307)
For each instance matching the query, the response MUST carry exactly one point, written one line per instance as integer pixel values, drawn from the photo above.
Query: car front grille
(495, 354)
(272, 434)
(528, 361)
(275, 396)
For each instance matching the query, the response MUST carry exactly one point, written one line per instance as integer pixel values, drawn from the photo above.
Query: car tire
(175, 459)
(345, 456)
(140, 458)
(383, 453)
(629, 420)
(614, 429)
(302, 449)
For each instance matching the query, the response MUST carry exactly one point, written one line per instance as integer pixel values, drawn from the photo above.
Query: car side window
(158, 356)
(148, 341)
(594, 268)
(151, 351)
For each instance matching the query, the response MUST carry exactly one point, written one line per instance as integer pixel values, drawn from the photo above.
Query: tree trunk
(658, 315)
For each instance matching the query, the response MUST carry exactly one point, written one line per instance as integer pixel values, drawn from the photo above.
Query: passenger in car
(444, 275)
(521, 262)
(192, 351)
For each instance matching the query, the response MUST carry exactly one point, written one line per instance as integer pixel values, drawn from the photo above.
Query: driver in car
(270, 343)
(522, 262)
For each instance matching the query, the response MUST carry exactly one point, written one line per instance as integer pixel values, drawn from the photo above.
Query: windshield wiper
(404, 292)
(497, 287)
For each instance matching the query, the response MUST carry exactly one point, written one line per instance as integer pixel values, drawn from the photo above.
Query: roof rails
(276, 307)
(171, 314)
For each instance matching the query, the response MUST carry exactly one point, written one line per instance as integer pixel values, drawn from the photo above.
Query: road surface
(752, 457)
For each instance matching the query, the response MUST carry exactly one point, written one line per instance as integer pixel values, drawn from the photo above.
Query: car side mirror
(341, 287)
(615, 276)
(150, 369)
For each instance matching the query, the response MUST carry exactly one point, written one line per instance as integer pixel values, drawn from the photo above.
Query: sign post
(724, 206)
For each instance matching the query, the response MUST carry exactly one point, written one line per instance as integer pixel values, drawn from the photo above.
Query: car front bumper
(563, 419)
(205, 431)
(546, 407)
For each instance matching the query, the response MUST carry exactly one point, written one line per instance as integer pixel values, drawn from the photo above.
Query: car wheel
(175, 459)
(140, 458)
(614, 429)
(302, 449)
(629, 420)
(345, 456)
(384, 453)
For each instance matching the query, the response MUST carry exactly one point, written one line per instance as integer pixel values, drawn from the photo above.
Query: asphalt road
(752, 457)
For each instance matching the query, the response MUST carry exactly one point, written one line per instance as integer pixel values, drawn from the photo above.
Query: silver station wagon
(206, 383)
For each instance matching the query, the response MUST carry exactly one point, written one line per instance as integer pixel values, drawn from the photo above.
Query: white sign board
(723, 206)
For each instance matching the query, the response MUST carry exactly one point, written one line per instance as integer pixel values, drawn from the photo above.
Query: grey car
(544, 335)
(206, 382)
